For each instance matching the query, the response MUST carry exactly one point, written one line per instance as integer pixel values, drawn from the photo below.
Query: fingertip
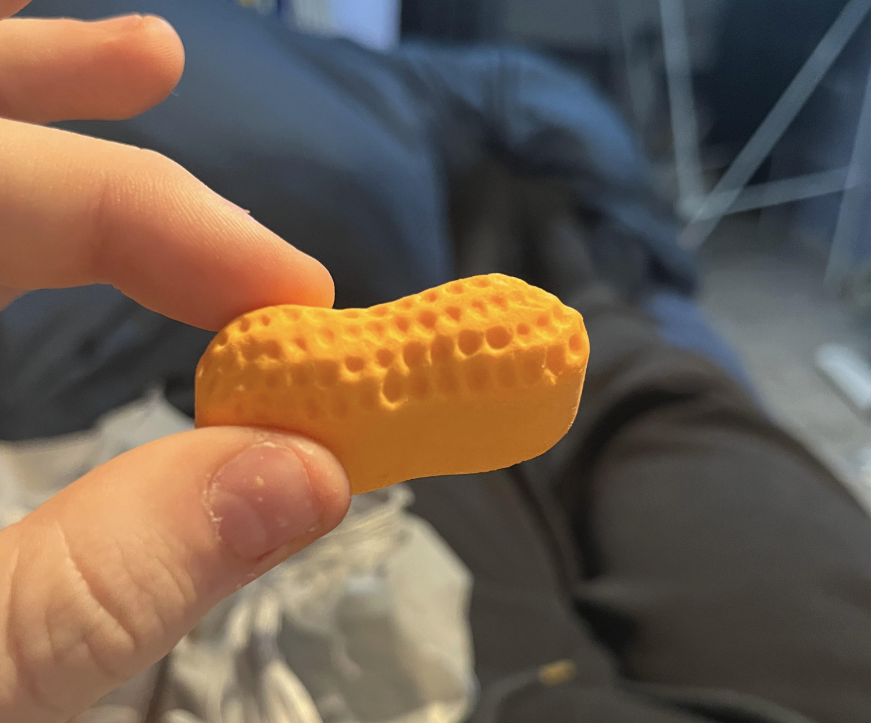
(278, 494)
(320, 290)
(144, 47)
(181, 249)
(154, 44)
(167, 47)
(329, 480)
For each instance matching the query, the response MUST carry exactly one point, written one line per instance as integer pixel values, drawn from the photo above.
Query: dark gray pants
(694, 561)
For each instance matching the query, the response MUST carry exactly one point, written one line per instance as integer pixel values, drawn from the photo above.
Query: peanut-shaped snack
(470, 376)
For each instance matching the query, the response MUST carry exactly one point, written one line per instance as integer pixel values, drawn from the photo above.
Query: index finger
(77, 210)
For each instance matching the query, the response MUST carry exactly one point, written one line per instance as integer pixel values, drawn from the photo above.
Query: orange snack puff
(470, 376)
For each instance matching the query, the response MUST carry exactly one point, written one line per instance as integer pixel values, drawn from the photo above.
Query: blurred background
(748, 121)
(755, 116)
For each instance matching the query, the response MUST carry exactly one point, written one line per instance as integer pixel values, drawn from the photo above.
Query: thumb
(104, 578)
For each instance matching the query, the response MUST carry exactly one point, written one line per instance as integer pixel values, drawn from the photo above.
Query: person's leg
(724, 566)
(715, 568)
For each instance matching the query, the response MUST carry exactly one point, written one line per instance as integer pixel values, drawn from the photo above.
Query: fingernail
(263, 499)
(122, 23)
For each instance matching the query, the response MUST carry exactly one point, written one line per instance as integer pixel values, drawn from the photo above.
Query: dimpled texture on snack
(471, 376)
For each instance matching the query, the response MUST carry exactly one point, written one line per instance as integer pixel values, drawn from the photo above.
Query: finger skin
(10, 7)
(105, 577)
(8, 295)
(60, 69)
(78, 210)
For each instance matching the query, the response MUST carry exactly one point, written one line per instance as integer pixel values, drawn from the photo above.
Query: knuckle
(22, 681)
(127, 194)
(118, 615)
(156, 162)
(102, 634)
(79, 605)
(72, 617)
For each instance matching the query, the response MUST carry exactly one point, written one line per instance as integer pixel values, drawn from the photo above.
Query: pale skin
(103, 579)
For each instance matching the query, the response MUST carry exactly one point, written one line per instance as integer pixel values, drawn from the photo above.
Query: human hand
(103, 579)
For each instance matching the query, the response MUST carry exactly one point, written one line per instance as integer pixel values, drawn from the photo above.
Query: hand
(104, 578)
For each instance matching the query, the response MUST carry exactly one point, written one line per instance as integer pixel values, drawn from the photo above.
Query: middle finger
(59, 69)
